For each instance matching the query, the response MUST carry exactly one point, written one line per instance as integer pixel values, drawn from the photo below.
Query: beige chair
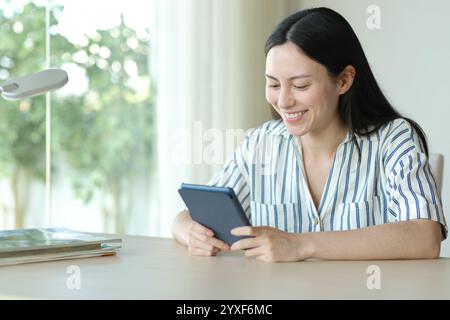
(437, 168)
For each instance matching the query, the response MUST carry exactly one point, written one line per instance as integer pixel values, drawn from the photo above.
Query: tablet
(217, 208)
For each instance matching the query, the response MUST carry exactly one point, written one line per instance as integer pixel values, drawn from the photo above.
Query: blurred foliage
(22, 124)
(105, 133)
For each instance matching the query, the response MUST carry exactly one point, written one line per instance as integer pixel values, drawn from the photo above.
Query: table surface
(160, 268)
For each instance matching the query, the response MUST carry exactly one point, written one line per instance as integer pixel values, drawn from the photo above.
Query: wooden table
(160, 268)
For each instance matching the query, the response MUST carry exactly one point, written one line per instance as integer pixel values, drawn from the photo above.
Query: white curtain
(208, 62)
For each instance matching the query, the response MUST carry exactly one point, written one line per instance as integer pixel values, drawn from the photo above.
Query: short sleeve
(411, 187)
(235, 175)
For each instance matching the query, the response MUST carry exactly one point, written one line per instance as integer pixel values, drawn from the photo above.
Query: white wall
(410, 56)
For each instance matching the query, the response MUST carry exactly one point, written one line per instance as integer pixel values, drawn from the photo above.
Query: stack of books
(37, 245)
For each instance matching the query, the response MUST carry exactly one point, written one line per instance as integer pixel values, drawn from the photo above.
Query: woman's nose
(285, 99)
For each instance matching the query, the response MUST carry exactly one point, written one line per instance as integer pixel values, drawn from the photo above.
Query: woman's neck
(325, 141)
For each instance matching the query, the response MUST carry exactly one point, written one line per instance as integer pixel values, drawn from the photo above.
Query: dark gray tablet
(217, 208)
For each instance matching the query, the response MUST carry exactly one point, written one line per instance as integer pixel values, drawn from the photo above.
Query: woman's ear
(345, 79)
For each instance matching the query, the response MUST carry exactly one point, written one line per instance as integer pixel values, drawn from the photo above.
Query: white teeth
(294, 115)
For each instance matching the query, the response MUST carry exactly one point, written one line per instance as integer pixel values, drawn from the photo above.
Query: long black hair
(326, 37)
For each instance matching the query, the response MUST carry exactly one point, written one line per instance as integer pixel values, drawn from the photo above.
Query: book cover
(46, 238)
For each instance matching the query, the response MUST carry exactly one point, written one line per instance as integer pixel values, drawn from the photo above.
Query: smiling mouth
(294, 116)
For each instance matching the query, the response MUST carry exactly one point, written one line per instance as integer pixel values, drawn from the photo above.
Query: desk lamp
(34, 84)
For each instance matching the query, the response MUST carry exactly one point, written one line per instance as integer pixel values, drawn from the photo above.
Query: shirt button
(316, 221)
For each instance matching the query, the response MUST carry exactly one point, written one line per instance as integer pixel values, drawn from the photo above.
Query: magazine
(48, 244)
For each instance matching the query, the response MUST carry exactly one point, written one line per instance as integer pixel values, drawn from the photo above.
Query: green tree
(106, 133)
(22, 124)
(103, 134)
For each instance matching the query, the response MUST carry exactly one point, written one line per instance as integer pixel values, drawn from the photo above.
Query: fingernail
(210, 233)
(233, 232)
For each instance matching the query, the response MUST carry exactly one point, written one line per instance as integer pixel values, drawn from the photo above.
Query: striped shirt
(391, 181)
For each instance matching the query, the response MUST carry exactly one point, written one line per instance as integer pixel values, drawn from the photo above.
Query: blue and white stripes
(391, 181)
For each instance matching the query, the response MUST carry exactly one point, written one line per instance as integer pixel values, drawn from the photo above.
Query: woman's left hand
(271, 245)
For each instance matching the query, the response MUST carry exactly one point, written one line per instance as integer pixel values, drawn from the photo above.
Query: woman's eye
(272, 85)
(301, 87)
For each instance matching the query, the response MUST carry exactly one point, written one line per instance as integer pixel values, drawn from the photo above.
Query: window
(22, 123)
(101, 122)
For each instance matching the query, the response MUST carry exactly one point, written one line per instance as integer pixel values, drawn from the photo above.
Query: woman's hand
(272, 245)
(201, 242)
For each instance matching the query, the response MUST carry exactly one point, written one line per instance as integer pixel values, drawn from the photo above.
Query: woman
(340, 174)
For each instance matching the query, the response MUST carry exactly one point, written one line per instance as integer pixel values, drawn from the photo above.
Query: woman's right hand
(201, 242)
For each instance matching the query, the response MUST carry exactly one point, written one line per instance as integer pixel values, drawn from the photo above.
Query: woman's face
(300, 90)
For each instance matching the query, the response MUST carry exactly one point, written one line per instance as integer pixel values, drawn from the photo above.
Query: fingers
(254, 249)
(249, 231)
(244, 244)
(256, 252)
(212, 241)
(206, 235)
(197, 227)
(203, 245)
(200, 241)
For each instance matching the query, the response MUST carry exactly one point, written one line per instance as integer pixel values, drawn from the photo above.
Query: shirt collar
(348, 137)
(277, 128)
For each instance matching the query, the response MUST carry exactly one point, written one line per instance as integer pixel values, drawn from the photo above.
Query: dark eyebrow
(291, 78)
